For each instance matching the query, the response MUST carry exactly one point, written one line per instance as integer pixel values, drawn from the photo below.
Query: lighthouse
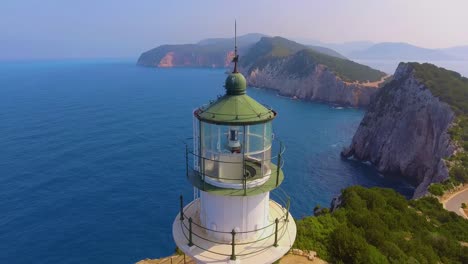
(238, 213)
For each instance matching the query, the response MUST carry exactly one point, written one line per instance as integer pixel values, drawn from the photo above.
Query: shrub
(436, 189)
(380, 226)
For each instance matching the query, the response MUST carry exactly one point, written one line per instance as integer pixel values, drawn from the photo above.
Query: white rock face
(318, 83)
(404, 131)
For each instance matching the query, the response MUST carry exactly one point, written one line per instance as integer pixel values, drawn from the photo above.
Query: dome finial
(236, 57)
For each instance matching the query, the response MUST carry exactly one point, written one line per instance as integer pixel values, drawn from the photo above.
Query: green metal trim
(196, 180)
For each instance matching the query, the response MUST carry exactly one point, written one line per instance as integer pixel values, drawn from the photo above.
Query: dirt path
(371, 84)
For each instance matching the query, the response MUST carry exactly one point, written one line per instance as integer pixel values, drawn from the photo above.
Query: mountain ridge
(400, 50)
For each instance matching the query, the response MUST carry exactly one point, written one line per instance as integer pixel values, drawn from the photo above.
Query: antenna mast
(236, 57)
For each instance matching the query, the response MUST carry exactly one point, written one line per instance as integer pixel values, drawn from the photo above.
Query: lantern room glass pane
(226, 156)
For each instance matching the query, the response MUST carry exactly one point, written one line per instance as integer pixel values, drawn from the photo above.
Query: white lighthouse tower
(234, 166)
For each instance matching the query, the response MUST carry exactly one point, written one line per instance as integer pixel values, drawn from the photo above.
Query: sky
(51, 29)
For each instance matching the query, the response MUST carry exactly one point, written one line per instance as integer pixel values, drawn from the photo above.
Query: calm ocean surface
(92, 159)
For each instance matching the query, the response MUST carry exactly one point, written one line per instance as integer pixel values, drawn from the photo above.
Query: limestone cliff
(300, 76)
(405, 131)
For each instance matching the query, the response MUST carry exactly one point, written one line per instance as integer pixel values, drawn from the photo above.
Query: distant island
(293, 69)
(395, 51)
(401, 51)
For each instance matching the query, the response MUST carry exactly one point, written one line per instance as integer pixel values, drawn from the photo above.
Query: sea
(92, 157)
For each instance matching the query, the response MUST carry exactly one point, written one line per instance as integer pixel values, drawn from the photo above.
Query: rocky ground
(295, 256)
(175, 259)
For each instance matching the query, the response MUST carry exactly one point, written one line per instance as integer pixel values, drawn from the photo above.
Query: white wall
(243, 213)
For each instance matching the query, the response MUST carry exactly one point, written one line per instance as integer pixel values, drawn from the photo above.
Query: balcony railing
(196, 234)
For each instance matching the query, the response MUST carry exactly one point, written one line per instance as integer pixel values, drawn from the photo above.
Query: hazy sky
(118, 28)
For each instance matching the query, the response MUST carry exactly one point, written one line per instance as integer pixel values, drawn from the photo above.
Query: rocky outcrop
(405, 131)
(312, 81)
(336, 202)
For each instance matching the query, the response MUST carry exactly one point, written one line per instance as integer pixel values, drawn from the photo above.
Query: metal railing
(279, 224)
(265, 166)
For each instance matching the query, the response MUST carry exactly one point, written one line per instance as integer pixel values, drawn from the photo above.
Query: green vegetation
(437, 189)
(450, 87)
(270, 48)
(347, 70)
(380, 226)
(463, 205)
(303, 59)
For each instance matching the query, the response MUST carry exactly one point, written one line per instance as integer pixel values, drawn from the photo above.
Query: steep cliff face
(405, 131)
(301, 77)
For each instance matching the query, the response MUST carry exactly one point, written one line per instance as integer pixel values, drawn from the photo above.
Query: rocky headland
(294, 70)
(314, 81)
(408, 127)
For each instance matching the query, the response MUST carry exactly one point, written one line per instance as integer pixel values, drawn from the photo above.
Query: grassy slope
(380, 226)
(448, 85)
(268, 50)
(348, 70)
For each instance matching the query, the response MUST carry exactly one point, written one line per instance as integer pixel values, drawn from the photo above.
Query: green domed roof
(235, 110)
(235, 84)
(235, 107)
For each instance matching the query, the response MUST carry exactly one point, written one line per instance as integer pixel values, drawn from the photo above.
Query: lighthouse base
(271, 243)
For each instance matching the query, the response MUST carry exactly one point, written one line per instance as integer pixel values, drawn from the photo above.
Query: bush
(380, 226)
(436, 189)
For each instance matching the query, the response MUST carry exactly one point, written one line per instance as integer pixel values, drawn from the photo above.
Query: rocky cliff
(405, 131)
(300, 76)
(293, 69)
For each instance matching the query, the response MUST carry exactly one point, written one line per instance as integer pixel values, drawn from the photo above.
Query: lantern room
(233, 138)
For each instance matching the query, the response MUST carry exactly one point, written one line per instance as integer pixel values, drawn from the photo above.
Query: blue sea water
(92, 159)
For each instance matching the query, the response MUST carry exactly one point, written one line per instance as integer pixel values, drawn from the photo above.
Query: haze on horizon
(54, 29)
